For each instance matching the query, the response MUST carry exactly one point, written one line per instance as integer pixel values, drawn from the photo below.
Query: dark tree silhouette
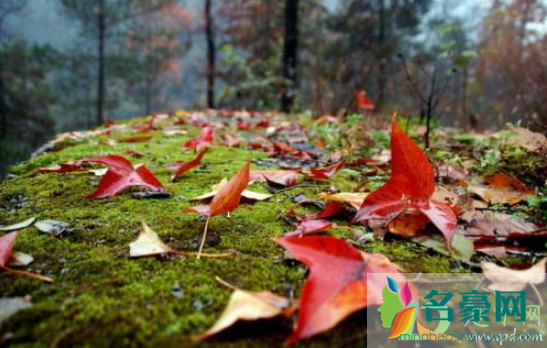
(211, 55)
(290, 55)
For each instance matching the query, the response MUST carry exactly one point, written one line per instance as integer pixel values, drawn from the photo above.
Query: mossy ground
(102, 298)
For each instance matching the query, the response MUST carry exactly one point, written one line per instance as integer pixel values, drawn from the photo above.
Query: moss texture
(101, 298)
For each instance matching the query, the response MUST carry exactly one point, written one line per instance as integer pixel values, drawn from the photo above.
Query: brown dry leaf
(527, 139)
(502, 189)
(482, 224)
(255, 196)
(147, 244)
(245, 305)
(409, 223)
(355, 199)
(505, 279)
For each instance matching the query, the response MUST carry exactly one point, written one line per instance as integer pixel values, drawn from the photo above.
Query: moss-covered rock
(101, 298)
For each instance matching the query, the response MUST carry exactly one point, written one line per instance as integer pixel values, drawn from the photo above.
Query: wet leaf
(502, 189)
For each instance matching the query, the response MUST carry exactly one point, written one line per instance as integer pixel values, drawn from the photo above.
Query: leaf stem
(202, 244)
(191, 253)
(27, 274)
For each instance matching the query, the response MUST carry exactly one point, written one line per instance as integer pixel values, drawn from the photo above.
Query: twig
(212, 256)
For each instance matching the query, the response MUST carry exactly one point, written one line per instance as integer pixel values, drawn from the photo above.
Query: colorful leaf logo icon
(392, 284)
(402, 322)
(406, 295)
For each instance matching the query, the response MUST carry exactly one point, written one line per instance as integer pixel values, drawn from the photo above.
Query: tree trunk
(101, 76)
(290, 55)
(211, 55)
(3, 107)
(381, 56)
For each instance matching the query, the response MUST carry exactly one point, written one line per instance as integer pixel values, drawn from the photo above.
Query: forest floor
(101, 297)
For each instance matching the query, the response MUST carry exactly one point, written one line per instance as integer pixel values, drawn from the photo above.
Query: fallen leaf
(310, 226)
(20, 259)
(147, 244)
(527, 139)
(11, 305)
(245, 305)
(412, 184)
(181, 167)
(19, 225)
(251, 195)
(52, 227)
(61, 168)
(355, 199)
(337, 283)
(205, 139)
(226, 200)
(502, 189)
(136, 139)
(362, 101)
(284, 178)
(506, 279)
(120, 175)
(325, 173)
(7, 242)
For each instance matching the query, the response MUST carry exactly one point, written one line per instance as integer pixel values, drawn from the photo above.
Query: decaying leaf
(337, 284)
(284, 178)
(355, 199)
(147, 244)
(19, 225)
(11, 305)
(245, 305)
(52, 227)
(505, 279)
(502, 189)
(20, 259)
(527, 139)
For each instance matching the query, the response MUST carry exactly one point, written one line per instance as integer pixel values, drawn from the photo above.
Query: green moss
(101, 298)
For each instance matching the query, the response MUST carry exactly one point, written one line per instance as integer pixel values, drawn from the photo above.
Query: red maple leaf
(205, 139)
(362, 101)
(326, 173)
(337, 284)
(226, 200)
(411, 185)
(183, 166)
(120, 175)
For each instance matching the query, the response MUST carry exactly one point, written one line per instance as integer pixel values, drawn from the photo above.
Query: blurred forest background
(74, 64)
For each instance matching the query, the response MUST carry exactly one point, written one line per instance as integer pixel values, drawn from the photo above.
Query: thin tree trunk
(101, 74)
(290, 55)
(3, 108)
(381, 56)
(211, 55)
